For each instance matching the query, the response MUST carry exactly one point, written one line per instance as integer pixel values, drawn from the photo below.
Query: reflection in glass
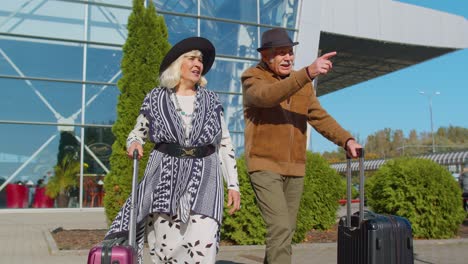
(44, 171)
(114, 2)
(56, 19)
(180, 6)
(225, 75)
(27, 162)
(20, 146)
(93, 190)
(40, 59)
(231, 39)
(180, 27)
(103, 64)
(30, 154)
(98, 150)
(280, 13)
(107, 24)
(234, 116)
(241, 10)
(101, 100)
(46, 101)
(101, 104)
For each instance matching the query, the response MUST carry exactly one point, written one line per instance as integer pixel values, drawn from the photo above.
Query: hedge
(322, 189)
(420, 190)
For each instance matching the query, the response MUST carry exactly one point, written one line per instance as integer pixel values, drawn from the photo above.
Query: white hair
(170, 78)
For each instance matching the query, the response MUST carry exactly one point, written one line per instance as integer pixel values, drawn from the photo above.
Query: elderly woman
(180, 198)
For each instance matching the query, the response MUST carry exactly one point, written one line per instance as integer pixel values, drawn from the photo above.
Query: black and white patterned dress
(180, 200)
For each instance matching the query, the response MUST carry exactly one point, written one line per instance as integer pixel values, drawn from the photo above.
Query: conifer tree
(143, 51)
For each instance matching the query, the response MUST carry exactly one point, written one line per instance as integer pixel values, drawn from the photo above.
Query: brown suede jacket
(276, 112)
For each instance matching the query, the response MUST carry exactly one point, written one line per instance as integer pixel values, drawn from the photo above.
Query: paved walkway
(25, 238)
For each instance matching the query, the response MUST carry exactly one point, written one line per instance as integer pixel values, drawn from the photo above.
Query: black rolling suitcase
(369, 238)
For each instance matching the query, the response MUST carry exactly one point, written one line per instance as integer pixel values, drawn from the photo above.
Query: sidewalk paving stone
(25, 238)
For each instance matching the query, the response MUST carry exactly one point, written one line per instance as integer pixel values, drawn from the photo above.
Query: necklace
(185, 117)
(179, 109)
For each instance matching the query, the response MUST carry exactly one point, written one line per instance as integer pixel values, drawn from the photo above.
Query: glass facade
(59, 67)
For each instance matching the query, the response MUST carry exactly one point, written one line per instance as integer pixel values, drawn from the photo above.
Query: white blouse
(226, 151)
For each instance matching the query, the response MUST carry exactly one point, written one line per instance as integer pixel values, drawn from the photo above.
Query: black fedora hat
(189, 44)
(276, 37)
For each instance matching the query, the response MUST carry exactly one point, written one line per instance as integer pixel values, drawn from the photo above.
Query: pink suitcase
(119, 250)
(112, 252)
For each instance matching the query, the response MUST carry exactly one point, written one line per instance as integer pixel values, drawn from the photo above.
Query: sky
(394, 100)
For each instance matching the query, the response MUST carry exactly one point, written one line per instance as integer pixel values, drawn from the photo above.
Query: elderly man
(278, 104)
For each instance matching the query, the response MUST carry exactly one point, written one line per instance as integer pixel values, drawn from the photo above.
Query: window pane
(18, 146)
(27, 164)
(96, 157)
(278, 12)
(101, 103)
(231, 39)
(114, 2)
(234, 116)
(41, 59)
(180, 28)
(103, 64)
(56, 102)
(98, 142)
(181, 6)
(225, 76)
(55, 19)
(42, 101)
(241, 10)
(108, 24)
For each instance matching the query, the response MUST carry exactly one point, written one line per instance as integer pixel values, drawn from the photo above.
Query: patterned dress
(180, 200)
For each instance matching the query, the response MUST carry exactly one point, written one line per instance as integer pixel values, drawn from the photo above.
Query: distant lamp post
(429, 96)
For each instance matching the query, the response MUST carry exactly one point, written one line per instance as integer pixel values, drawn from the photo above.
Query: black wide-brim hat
(193, 43)
(276, 37)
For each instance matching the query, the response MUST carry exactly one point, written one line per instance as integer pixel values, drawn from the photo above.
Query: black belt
(176, 150)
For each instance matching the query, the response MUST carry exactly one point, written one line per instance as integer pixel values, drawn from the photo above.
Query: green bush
(354, 191)
(245, 227)
(322, 189)
(420, 190)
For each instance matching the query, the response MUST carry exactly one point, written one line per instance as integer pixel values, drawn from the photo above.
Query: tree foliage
(420, 190)
(388, 143)
(65, 176)
(143, 52)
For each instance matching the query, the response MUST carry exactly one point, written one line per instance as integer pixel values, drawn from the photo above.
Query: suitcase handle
(133, 203)
(360, 153)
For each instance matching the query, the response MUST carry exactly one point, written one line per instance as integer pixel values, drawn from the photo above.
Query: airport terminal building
(60, 63)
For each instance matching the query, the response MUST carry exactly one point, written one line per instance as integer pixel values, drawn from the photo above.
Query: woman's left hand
(233, 201)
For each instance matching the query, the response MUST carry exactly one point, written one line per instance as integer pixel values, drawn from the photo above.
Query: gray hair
(170, 78)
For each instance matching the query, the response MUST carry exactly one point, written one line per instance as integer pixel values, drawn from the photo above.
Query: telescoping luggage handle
(361, 187)
(133, 203)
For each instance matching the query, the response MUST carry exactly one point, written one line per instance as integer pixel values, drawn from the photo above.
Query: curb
(440, 241)
(51, 245)
(55, 251)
